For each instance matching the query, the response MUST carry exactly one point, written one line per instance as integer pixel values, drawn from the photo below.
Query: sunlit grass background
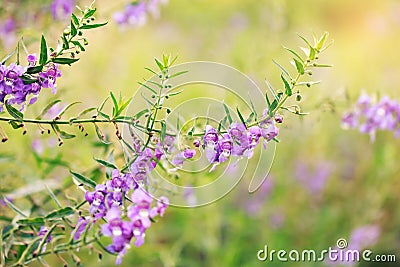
(362, 187)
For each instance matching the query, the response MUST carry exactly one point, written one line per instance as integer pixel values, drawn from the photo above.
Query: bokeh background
(326, 183)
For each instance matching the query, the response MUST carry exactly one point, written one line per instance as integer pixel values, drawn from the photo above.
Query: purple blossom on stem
(119, 230)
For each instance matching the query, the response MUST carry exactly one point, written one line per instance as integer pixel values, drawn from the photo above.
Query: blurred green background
(358, 180)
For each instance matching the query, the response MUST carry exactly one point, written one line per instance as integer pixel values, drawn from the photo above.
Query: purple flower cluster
(13, 88)
(239, 141)
(107, 201)
(62, 9)
(135, 14)
(369, 117)
(7, 32)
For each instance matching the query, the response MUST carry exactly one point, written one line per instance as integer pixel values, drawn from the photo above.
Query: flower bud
(298, 98)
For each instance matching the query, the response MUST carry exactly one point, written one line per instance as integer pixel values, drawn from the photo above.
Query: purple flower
(162, 205)
(97, 200)
(369, 117)
(119, 230)
(179, 158)
(134, 14)
(80, 227)
(225, 147)
(62, 9)
(42, 232)
(49, 76)
(313, 180)
(7, 32)
(32, 59)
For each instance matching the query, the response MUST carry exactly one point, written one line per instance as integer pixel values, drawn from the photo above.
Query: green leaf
(241, 117)
(83, 180)
(64, 60)
(228, 114)
(312, 53)
(60, 213)
(43, 51)
(100, 135)
(106, 163)
(89, 13)
(282, 69)
(92, 26)
(175, 93)
(152, 71)
(115, 103)
(66, 108)
(321, 65)
(148, 87)
(77, 43)
(271, 89)
(85, 112)
(49, 106)
(7, 57)
(31, 221)
(74, 31)
(250, 118)
(141, 113)
(178, 73)
(34, 70)
(53, 196)
(159, 64)
(28, 79)
(294, 53)
(273, 106)
(221, 123)
(321, 41)
(16, 114)
(299, 66)
(124, 105)
(288, 89)
(15, 125)
(163, 131)
(75, 19)
(14, 208)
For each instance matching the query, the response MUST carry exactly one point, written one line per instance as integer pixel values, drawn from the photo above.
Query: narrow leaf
(299, 66)
(106, 163)
(148, 87)
(83, 180)
(31, 221)
(159, 64)
(74, 31)
(89, 13)
(241, 117)
(67, 107)
(92, 26)
(14, 112)
(163, 131)
(34, 70)
(53, 196)
(75, 19)
(43, 51)
(178, 73)
(115, 103)
(49, 106)
(282, 69)
(14, 208)
(294, 53)
(288, 89)
(61, 213)
(64, 60)
(228, 115)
